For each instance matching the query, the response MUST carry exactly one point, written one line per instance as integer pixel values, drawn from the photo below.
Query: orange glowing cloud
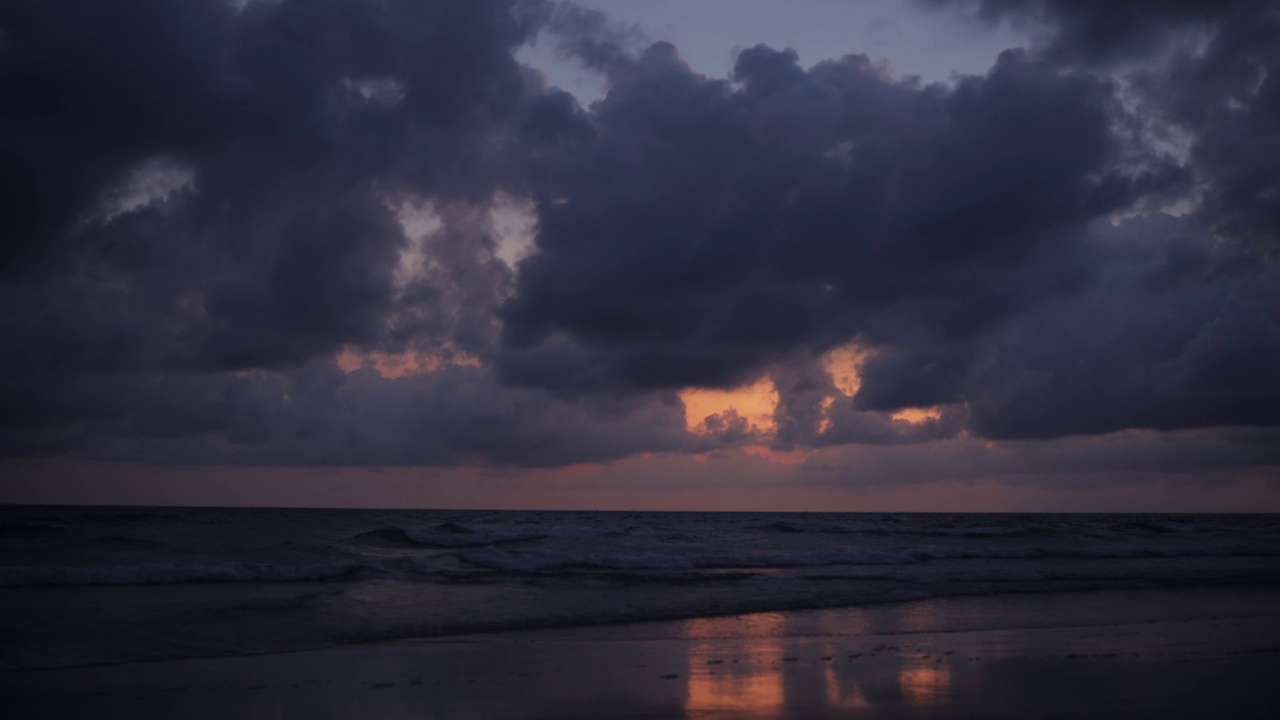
(758, 401)
(915, 416)
(755, 402)
(844, 364)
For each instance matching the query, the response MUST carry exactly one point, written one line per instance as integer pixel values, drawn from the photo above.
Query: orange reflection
(844, 698)
(925, 684)
(754, 402)
(731, 692)
(753, 684)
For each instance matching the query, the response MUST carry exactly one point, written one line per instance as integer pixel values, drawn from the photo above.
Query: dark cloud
(1206, 72)
(1227, 100)
(1210, 459)
(194, 190)
(1102, 31)
(299, 126)
(319, 415)
(1177, 331)
(592, 38)
(202, 203)
(708, 228)
(1175, 334)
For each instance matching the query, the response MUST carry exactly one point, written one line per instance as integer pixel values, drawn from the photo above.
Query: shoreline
(1178, 653)
(1013, 596)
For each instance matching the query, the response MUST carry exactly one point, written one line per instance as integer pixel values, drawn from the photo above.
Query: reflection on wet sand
(751, 667)
(751, 685)
(925, 684)
(844, 696)
(753, 691)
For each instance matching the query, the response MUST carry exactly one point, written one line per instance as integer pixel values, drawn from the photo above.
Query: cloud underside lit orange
(396, 365)
(757, 401)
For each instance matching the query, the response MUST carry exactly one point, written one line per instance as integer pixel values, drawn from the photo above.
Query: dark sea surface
(107, 585)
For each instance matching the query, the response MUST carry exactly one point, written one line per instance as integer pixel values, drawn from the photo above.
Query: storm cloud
(197, 190)
(1000, 244)
(218, 215)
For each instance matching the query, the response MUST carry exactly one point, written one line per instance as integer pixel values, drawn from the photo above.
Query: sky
(929, 255)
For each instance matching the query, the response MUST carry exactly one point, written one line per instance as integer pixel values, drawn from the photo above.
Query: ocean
(99, 585)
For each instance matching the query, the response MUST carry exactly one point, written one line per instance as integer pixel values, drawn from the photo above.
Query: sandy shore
(1189, 653)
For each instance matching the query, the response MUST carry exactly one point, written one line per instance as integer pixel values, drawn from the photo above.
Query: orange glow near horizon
(755, 402)
(395, 365)
(629, 484)
(778, 457)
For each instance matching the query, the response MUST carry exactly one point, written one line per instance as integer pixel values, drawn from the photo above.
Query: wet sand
(1167, 654)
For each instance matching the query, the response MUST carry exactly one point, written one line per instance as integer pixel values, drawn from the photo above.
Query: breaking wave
(166, 573)
(823, 528)
(532, 561)
(456, 535)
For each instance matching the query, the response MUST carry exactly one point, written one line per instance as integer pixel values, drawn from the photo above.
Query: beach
(1195, 652)
(272, 613)
(591, 359)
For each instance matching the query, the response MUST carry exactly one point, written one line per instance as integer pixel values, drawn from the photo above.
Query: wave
(33, 527)
(446, 538)
(526, 561)
(130, 517)
(538, 561)
(1167, 527)
(1138, 529)
(972, 532)
(124, 541)
(457, 535)
(790, 526)
(170, 573)
(493, 563)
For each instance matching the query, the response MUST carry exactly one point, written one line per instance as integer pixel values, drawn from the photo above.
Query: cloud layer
(206, 204)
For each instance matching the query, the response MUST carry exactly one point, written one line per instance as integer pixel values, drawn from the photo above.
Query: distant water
(106, 585)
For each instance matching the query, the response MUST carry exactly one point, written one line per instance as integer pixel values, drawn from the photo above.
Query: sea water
(83, 586)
